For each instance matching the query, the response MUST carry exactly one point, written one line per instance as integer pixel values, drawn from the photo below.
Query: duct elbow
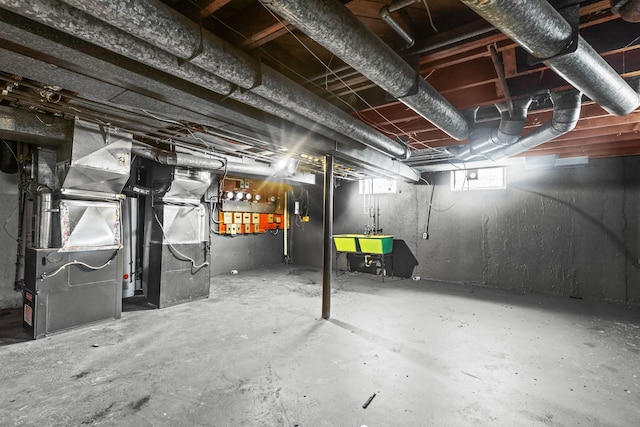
(487, 140)
(566, 111)
(511, 122)
(563, 127)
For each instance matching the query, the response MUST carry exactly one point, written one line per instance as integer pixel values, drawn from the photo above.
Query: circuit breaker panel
(249, 206)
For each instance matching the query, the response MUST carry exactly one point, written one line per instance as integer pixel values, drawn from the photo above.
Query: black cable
(426, 230)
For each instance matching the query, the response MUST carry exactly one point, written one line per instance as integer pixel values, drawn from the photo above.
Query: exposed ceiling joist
(455, 61)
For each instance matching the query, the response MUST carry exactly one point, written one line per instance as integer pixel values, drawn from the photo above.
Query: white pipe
(286, 226)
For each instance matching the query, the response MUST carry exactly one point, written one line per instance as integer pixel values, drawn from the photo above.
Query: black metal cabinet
(67, 289)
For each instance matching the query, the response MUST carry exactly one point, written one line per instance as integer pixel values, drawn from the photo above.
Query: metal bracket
(105, 135)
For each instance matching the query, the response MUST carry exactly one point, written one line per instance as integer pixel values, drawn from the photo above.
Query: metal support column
(327, 259)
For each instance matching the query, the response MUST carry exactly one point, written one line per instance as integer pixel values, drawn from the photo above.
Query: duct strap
(196, 52)
(572, 15)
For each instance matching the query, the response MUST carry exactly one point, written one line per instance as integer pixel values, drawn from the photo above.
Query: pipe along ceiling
(150, 32)
(249, 81)
(159, 25)
(535, 25)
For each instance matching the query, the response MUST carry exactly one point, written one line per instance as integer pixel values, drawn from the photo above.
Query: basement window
(478, 179)
(377, 186)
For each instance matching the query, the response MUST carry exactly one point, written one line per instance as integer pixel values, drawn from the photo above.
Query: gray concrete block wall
(564, 233)
(246, 252)
(306, 240)
(631, 210)
(571, 232)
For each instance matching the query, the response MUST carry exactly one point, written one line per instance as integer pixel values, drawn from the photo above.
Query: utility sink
(346, 242)
(364, 243)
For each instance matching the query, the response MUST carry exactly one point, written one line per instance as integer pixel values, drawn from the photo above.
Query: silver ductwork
(566, 113)
(334, 27)
(222, 166)
(543, 32)
(629, 10)
(97, 160)
(44, 215)
(184, 218)
(87, 225)
(484, 140)
(93, 170)
(78, 24)
(320, 140)
(159, 25)
(152, 33)
(188, 160)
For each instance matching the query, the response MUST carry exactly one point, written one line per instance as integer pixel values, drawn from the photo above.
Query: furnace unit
(176, 267)
(72, 231)
(66, 289)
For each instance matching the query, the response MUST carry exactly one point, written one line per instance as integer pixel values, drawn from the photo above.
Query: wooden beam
(599, 149)
(265, 35)
(509, 62)
(212, 7)
(558, 145)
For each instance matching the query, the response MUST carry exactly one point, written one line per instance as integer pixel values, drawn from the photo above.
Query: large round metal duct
(543, 32)
(629, 10)
(164, 28)
(329, 23)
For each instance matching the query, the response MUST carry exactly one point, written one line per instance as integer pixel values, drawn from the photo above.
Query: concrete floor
(256, 354)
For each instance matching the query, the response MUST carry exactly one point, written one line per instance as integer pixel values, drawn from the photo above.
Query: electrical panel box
(232, 223)
(249, 206)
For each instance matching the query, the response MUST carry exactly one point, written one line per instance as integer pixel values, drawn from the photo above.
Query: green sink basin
(376, 244)
(346, 242)
(365, 243)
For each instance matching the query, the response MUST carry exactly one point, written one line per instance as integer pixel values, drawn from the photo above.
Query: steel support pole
(327, 257)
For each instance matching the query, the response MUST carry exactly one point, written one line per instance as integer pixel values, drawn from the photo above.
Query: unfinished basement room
(320, 213)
